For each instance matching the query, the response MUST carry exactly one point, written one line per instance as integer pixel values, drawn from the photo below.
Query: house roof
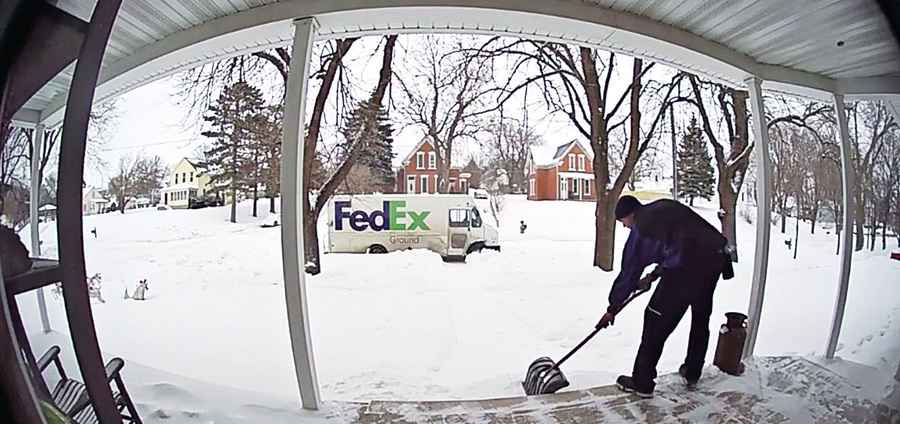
(472, 166)
(541, 155)
(564, 149)
(416, 148)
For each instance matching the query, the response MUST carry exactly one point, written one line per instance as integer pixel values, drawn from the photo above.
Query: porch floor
(773, 390)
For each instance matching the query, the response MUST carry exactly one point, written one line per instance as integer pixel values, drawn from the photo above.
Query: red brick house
(418, 173)
(568, 175)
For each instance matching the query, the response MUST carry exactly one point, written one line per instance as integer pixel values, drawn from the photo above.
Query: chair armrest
(113, 367)
(49, 356)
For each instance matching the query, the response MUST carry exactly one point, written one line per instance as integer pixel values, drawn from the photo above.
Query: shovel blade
(543, 378)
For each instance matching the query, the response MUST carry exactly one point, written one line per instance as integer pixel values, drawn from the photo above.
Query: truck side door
(458, 227)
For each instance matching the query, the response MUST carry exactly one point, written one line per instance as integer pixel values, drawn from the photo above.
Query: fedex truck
(451, 225)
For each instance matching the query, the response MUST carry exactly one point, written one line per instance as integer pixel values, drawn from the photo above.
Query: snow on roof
(549, 156)
(47, 208)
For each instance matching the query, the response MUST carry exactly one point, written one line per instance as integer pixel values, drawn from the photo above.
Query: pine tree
(375, 149)
(695, 172)
(231, 121)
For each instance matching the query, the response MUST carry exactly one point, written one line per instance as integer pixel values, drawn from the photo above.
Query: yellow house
(185, 182)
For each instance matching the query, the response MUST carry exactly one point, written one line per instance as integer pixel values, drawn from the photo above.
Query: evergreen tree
(695, 172)
(371, 149)
(232, 120)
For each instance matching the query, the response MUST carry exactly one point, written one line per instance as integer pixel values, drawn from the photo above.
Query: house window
(420, 160)
(581, 162)
(424, 184)
(531, 186)
(192, 177)
(410, 183)
(587, 187)
(571, 162)
(575, 186)
(432, 160)
(176, 178)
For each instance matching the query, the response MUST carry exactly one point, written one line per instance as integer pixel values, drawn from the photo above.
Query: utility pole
(674, 153)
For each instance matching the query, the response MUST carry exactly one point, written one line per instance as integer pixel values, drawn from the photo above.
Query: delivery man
(690, 255)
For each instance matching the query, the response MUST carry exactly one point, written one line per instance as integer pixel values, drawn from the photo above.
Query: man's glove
(644, 283)
(608, 319)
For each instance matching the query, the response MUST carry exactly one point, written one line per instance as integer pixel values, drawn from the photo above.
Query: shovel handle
(597, 330)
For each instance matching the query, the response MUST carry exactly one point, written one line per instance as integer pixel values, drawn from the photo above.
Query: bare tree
(576, 82)
(136, 176)
(507, 147)
(731, 106)
(877, 123)
(361, 137)
(886, 187)
(13, 161)
(446, 90)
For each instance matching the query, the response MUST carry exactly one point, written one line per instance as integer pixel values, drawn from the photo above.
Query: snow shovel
(545, 377)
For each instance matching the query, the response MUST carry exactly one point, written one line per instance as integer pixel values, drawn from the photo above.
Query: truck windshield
(476, 218)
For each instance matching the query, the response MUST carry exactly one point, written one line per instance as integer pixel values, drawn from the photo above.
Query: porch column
(763, 211)
(292, 249)
(847, 235)
(69, 224)
(36, 151)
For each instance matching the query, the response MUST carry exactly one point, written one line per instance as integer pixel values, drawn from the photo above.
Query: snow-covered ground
(408, 326)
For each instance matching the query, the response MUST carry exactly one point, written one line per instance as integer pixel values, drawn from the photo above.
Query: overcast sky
(152, 122)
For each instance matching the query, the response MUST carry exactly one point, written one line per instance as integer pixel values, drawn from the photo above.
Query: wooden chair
(72, 398)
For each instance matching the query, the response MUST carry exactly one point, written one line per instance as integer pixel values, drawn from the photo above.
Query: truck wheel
(377, 249)
(475, 247)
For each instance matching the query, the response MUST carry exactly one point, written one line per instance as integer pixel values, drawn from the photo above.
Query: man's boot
(690, 382)
(626, 384)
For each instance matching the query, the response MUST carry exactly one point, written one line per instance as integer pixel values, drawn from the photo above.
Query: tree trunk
(874, 226)
(233, 204)
(860, 217)
(783, 218)
(884, 224)
(837, 250)
(311, 246)
(605, 232)
(272, 203)
(691, 201)
(255, 198)
(797, 231)
(728, 204)
(814, 217)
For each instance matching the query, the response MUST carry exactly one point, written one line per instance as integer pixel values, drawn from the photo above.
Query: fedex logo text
(392, 217)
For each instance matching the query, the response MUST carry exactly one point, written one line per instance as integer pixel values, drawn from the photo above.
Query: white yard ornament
(140, 292)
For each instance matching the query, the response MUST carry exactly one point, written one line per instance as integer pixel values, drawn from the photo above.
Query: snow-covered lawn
(408, 326)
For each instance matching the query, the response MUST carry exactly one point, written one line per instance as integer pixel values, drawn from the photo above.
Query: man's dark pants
(691, 286)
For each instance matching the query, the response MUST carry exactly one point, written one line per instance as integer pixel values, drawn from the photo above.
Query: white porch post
(34, 204)
(292, 249)
(847, 236)
(763, 209)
